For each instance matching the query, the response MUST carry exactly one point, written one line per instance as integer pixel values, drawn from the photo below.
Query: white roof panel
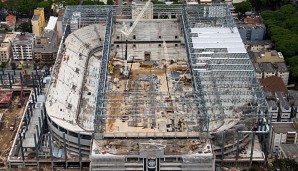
(51, 24)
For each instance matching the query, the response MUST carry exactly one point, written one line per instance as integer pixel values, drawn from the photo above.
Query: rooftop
(267, 67)
(273, 84)
(281, 67)
(51, 24)
(35, 17)
(257, 67)
(23, 39)
(283, 127)
(282, 98)
(290, 150)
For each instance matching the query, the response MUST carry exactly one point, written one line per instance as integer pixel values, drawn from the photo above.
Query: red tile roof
(273, 84)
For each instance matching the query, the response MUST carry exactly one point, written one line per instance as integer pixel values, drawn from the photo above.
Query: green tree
(110, 2)
(26, 27)
(293, 62)
(46, 5)
(284, 165)
(26, 6)
(3, 65)
(13, 66)
(242, 7)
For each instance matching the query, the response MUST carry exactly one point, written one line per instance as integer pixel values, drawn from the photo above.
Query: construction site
(147, 87)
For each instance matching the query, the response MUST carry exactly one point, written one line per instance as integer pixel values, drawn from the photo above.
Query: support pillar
(252, 147)
(51, 149)
(36, 146)
(37, 131)
(9, 79)
(65, 152)
(80, 152)
(31, 110)
(21, 144)
(237, 152)
(1, 79)
(223, 145)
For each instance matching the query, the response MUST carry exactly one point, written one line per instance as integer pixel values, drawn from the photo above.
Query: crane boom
(126, 31)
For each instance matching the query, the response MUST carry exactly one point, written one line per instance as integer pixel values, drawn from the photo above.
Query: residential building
(273, 109)
(5, 49)
(267, 56)
(22, 46)
(11, 21)
(282, 71)
(60, 27)
(259, 72)
(282, 133)
(38, 22)
(293, 99)
(52, 24)
(288, 151)
(257, 46)
(284, 107)
(252, 32)
(268, 70)
(46, 47)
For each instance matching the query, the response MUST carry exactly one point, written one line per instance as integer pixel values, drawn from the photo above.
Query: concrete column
(238, 139)
(80, 152)
(39, 124)
(9, 79)
(223, 145)
(31, 110)
(21, 144)
(252, 147)
(36, 146)
(50, 144)
(33, 100)
(35, 93)
(37, 130)
(1, 79)
(12, 78)
(65, 152)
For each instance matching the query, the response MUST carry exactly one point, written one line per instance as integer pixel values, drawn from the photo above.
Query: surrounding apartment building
(257, 46)
(282, 71)
(11, 21)
(282, 133)
(5, 49)
(252, 32)
(22, 46)
(52, 24)
(288, 151)
(46, 47)
(293, 99)
(268, 69)
(38, 22)
(284, 107)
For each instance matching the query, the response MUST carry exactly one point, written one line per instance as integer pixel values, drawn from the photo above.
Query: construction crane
(127, 32)
(111, 66)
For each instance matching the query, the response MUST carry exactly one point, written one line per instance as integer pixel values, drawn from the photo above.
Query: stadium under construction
(146, 87)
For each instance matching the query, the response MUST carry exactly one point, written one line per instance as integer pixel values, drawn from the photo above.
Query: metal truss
(220, 80)
(99, 122)
(224, 81)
